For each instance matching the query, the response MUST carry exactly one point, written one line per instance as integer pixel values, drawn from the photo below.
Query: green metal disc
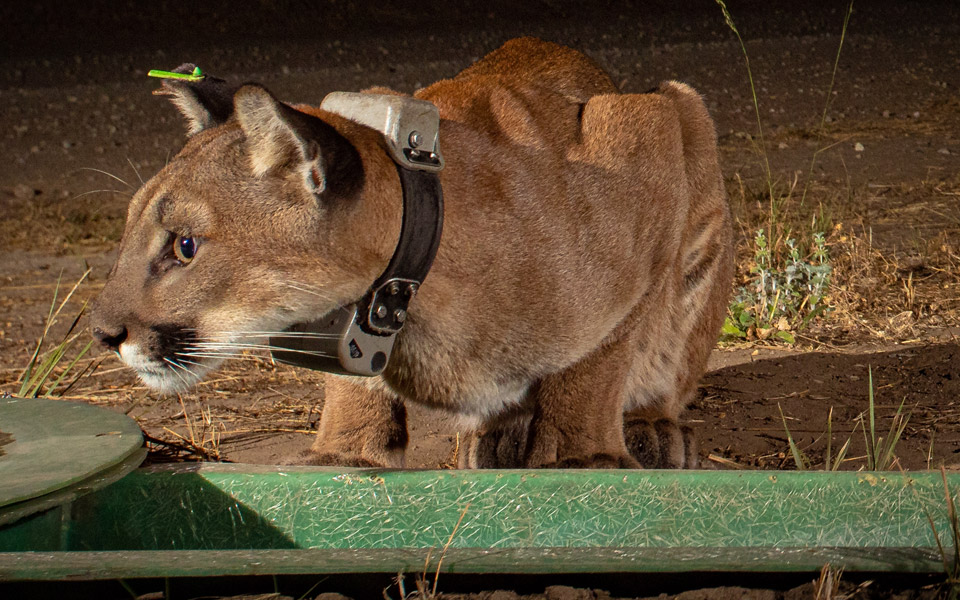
(51, 445)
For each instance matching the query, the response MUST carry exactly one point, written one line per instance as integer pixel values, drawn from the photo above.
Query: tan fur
(583, 271)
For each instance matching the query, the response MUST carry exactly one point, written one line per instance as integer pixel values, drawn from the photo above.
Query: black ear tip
(185, 68)
(205, 101)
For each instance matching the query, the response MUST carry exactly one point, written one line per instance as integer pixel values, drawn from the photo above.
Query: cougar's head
(262, 220)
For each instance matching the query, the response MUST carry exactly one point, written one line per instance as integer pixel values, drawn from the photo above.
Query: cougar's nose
(110, 340)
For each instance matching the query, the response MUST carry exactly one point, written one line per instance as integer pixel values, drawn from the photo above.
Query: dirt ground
(81, 130)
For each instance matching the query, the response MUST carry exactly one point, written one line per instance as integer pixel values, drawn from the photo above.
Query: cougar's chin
(166, 375)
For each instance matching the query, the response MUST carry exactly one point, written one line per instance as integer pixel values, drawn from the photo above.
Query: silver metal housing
(335, 344)
(410, 127)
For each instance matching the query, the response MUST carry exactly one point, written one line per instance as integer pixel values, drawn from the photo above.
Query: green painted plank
(233, 507)
(57, 444)
(238, 519)
(199, 563)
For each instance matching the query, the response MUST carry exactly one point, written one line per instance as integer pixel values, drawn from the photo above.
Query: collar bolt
(415, 139)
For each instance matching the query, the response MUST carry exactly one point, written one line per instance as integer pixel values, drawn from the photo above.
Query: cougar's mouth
(166, 362)
(164, 375)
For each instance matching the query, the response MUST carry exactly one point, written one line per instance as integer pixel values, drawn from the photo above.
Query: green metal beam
(241, 519)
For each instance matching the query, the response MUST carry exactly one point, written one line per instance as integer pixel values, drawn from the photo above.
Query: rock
(727, 593)
(24, 192)
(563, 592)
(502, 595)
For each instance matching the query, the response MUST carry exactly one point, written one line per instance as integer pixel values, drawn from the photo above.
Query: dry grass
(424, 589)
(249, 402)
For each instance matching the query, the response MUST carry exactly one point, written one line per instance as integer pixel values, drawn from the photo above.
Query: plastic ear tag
(196, 75)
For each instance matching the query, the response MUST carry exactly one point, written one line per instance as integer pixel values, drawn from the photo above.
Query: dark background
(44, 43)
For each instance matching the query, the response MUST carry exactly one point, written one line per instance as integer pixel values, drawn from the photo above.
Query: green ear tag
(197, 75)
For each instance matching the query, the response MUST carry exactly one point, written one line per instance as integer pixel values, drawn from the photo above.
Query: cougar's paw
(330, 459)
(642, 442)
(662, 444)
(500, 448)
(597, 461)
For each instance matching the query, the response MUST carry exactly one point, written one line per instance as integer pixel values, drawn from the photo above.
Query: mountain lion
(579, 285)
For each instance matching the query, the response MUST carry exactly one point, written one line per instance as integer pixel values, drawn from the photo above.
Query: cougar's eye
(184, 248)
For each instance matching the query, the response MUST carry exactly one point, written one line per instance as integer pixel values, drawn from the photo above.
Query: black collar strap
(357, 339)
(385, 305)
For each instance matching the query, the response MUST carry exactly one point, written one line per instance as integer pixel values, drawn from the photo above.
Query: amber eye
(184, 248)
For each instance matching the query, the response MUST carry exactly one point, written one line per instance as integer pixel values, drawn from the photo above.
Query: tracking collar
(357, 339)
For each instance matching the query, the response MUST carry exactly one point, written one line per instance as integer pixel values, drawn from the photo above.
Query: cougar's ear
(204, 103)
(280, 138)
(283, 140)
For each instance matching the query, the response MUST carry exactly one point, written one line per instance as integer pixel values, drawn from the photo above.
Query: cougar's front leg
(359, 427)
(578, 413)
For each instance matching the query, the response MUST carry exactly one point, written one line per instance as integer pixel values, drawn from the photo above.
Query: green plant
(787, 284)
(787, 290)
(880, 451)
(45, 370)
(830, 462)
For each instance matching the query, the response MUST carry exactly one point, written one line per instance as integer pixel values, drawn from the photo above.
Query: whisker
(229, 346)
(303, 283)
(108, 174)
(99, 191)
(220, 354)
(306, 289)
(136, 171)
(283, 334)
(188, 370)
(183, 360)
(174, 371)
(214, 353)
(227, 336)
